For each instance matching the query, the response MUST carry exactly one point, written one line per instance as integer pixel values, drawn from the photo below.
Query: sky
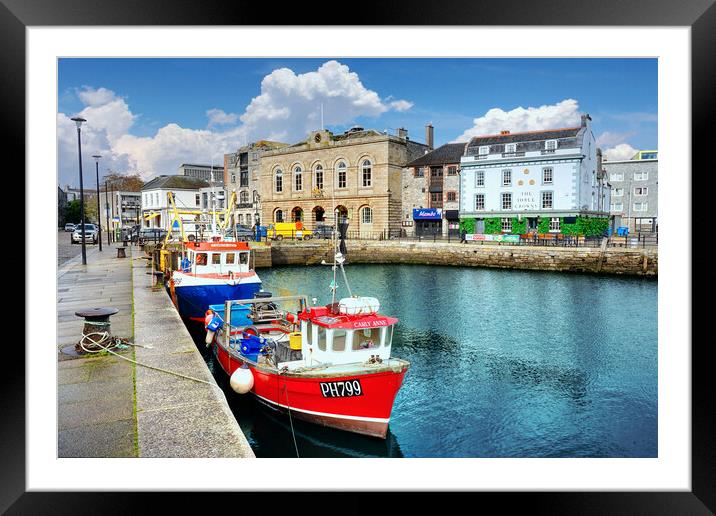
(148, 116)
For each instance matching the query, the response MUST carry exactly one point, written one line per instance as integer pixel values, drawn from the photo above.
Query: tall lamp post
(106, 208)
(99, 211)
(77, 120)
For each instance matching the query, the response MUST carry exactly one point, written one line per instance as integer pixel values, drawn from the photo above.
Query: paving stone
(114, 439)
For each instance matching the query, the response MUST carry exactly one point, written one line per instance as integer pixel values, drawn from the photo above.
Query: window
(342, 175)
(452, 196)
(201, 259)
(479, 202)
(616, 206)
(554, 224)
(279, 216)
(198, 199)
(618, 192)
(233, 178)
(230, 258)
(419, 172)
(243, 258)
(244, 197)
(641, 191)
(547, 200)
(452, 171)
(244, 177)
(510, 148)
(479, 178)
(367, 173)
(547, 176)
(506, 201)
(366, 339)
(339, 340)
(507, 178)
(506, 225)
(279, 181)
(215, 258)
(436, 198)
(321, 337)
(319, 177)
(241, 219)
(616, 176)
(550, 145)
(641, 206)
(641, 176)
(484, 150)
(297, 179)
(367, 215)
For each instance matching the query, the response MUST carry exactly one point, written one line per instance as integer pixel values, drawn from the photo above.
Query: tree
(73, 210)
(123, 182)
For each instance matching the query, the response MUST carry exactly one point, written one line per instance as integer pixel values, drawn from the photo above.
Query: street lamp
(77, 120)
(106, 208)
(99, 211)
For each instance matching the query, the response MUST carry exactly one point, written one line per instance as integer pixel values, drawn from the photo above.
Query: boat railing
(302, 300)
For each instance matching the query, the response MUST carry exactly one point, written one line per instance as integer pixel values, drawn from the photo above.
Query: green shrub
(493, 226)
(467, 226)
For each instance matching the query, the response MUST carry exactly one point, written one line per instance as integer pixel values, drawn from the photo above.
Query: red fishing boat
(330, 365)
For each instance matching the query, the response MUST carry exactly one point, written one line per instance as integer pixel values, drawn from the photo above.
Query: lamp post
(106, 209)
(99, 211)
(77, 120)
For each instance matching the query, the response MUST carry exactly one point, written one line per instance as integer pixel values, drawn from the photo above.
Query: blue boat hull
(194, 301)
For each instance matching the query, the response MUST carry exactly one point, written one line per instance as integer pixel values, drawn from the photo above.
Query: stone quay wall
(623, 261)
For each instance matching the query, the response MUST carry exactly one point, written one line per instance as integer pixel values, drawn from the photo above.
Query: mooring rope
(290, 419)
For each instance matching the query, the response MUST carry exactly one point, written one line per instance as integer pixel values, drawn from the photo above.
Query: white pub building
(533, 182)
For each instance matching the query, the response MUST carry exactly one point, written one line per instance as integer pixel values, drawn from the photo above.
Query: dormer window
(510, 147)
(550, 145)
(484, 150)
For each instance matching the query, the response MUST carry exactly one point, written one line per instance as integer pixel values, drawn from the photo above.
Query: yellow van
(281, 230)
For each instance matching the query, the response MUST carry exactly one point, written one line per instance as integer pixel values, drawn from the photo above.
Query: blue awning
(427, 213)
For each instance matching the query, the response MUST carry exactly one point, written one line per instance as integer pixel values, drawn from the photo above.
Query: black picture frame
(699, 15)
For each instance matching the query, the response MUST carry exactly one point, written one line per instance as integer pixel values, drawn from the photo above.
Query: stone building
(431, 192)
(241, 176)
(635, 193)
(547, 181)
(361, 168)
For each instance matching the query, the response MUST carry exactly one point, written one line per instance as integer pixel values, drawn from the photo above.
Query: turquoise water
(503, 364)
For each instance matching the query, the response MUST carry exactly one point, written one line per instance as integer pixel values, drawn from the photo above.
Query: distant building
(156, 211)
(431, 192)
(202, 172)
(120, 209)
(635, 192)
(534, 182)
(361, 168)
(61, 206)
(241, 175)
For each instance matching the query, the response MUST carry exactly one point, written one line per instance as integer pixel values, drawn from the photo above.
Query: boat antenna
(338, 257)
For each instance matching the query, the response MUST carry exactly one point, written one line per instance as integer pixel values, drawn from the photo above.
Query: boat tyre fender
(251, 330)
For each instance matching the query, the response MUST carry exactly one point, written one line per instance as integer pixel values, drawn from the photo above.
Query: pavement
(95, 393)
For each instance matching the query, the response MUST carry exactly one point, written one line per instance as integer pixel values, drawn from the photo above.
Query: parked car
(242, 233)
(147, 235)
(91, 234)
(281, 230)
(69, 227)
(325, 232)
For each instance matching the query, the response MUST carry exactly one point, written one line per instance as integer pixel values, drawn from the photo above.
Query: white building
(534, 181)
(156, 211)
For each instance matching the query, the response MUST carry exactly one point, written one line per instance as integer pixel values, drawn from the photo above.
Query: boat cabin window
(230, 258)
(321, 337)
(216, 259)
(201, 259)
(243, 258)
(339, 340)
(366, 339)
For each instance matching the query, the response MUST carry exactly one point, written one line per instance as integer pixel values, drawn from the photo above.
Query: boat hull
(194, 295)
(366, 414)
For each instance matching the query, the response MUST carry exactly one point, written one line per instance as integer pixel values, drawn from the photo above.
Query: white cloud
(401, 105)
(620, 152)
(562, 114)
(219, 117)
(610, 139)
(286, 109)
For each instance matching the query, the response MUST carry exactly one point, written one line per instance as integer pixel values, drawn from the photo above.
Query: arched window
(367, 169)
(279, 180)
(342, 172)
(297, 179)
(366, 215)
(319, 177)
(278, 216)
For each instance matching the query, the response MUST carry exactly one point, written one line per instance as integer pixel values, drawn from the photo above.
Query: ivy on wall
(519, 227)
(589, 226)
(493, 226)
(467, 226)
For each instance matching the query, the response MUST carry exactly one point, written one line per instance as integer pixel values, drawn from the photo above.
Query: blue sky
(151, 94)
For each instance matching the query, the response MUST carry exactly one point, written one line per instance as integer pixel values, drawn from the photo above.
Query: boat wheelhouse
(210, 273)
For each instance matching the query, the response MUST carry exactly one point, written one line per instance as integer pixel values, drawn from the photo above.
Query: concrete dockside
(110, 407)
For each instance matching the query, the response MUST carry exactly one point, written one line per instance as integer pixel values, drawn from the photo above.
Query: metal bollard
(96, 329)
(121, 253)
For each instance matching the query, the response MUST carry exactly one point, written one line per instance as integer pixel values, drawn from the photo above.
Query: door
(479, 226)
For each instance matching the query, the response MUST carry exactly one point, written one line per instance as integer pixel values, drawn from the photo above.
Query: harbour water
(503, 364)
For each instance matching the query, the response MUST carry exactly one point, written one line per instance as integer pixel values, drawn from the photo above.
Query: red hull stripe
(340, 416)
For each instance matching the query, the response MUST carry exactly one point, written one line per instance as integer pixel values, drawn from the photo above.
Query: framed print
(494, 138)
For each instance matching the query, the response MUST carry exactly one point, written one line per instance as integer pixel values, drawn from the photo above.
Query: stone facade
(241, 176)
(635, 193)
(361, 168)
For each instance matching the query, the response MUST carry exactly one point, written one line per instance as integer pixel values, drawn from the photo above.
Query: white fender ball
(242, 380)
(209, 337)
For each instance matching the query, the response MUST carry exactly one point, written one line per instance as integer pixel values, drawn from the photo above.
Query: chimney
(402, 133)
(585, 118)
(429, 135)
(504, 131)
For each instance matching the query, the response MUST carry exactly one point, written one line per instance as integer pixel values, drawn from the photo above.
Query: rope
(116, 340)
(290, 419)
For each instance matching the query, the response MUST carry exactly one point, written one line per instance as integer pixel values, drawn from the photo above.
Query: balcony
(547, 151)
(513, 154)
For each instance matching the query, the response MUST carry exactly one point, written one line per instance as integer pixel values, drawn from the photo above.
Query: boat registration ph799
(341, 389)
